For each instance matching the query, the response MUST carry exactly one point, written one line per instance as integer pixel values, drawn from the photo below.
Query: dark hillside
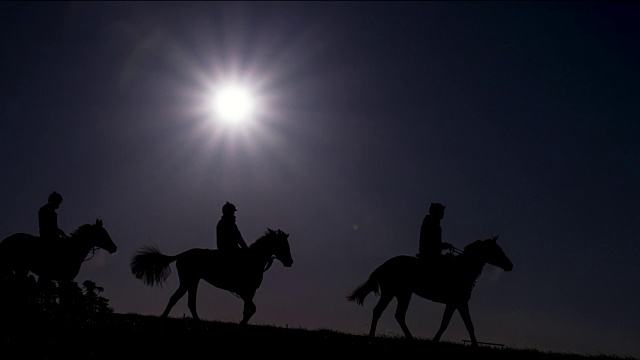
(116, 336)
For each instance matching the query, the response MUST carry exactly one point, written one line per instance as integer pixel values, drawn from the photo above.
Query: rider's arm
(243, 244)
(241, 241)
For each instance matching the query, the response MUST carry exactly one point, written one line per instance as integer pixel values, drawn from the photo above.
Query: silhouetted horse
(239, 273)
(51, 259)
(449, 283)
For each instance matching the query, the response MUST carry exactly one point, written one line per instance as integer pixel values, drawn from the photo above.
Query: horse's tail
(361, 292)
(151, 266)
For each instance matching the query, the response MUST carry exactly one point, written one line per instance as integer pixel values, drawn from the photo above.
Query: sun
(234, 104)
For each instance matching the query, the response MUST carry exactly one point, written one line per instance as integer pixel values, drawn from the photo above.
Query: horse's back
(16, 249)
(195, 257)
(198, 253)
(227, 270)
(410, 273)
(17, 242)
(398, 267)
(402, 263)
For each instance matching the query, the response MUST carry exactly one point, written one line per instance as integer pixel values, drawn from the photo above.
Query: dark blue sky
(523, 118)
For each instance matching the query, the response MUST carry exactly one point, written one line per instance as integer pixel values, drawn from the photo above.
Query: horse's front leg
(466, 317)
(249, 307)
(446, 318)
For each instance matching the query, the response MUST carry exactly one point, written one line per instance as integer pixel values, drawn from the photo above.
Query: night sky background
(523, 118)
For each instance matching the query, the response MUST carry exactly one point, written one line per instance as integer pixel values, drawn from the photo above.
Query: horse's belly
(234, 283)
(55, 271)
(219, 282)
(432, 293)
(441, 292)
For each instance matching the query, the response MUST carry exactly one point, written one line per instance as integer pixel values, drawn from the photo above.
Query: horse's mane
(81, 228)
(474, 245)
(267, 234)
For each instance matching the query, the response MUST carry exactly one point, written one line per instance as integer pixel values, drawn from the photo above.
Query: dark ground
(114, 336)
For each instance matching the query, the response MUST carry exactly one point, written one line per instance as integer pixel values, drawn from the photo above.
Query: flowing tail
(361, 292)
(151, 266)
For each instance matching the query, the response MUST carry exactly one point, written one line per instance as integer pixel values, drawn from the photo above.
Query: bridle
(454, 250)
(94, 250)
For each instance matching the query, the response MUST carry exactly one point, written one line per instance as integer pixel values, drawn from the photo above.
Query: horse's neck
(472, 268)
(261, 255)
(77, 247)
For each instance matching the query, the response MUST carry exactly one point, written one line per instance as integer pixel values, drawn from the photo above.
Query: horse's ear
(98, 222)
(495, 238)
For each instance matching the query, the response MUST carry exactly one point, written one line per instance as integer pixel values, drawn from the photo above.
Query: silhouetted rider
(48, 218)
(431, 244)
(228, 235)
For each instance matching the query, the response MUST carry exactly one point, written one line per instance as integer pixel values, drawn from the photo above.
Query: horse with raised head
(449, 283)
(240, 274)
(59, 261)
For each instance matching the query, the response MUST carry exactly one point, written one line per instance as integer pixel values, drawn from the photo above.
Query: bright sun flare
(234, 104)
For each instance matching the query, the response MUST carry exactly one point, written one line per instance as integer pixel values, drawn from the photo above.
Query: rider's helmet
(436, 209)
(54, 197)
(228, 208)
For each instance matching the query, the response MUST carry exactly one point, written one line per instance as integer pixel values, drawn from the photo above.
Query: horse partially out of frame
(56, 260)
(240, 273)
(450, 283)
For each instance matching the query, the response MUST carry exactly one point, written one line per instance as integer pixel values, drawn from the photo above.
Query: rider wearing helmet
(431, 244)
(48, 218)
(227, 233)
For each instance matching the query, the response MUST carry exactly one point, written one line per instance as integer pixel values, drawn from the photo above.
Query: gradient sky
(523, 118)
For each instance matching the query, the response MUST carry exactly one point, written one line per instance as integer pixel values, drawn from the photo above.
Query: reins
(269, 263)
(454, 250)
(94, 250)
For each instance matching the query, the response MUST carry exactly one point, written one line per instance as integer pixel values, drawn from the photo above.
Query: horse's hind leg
(182, 289)
(378, 310)
(401, 312)
(191, 298)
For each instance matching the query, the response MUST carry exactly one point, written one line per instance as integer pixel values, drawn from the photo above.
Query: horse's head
(495, 254)
(281, 251)
(488, 251)
(100, 237)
